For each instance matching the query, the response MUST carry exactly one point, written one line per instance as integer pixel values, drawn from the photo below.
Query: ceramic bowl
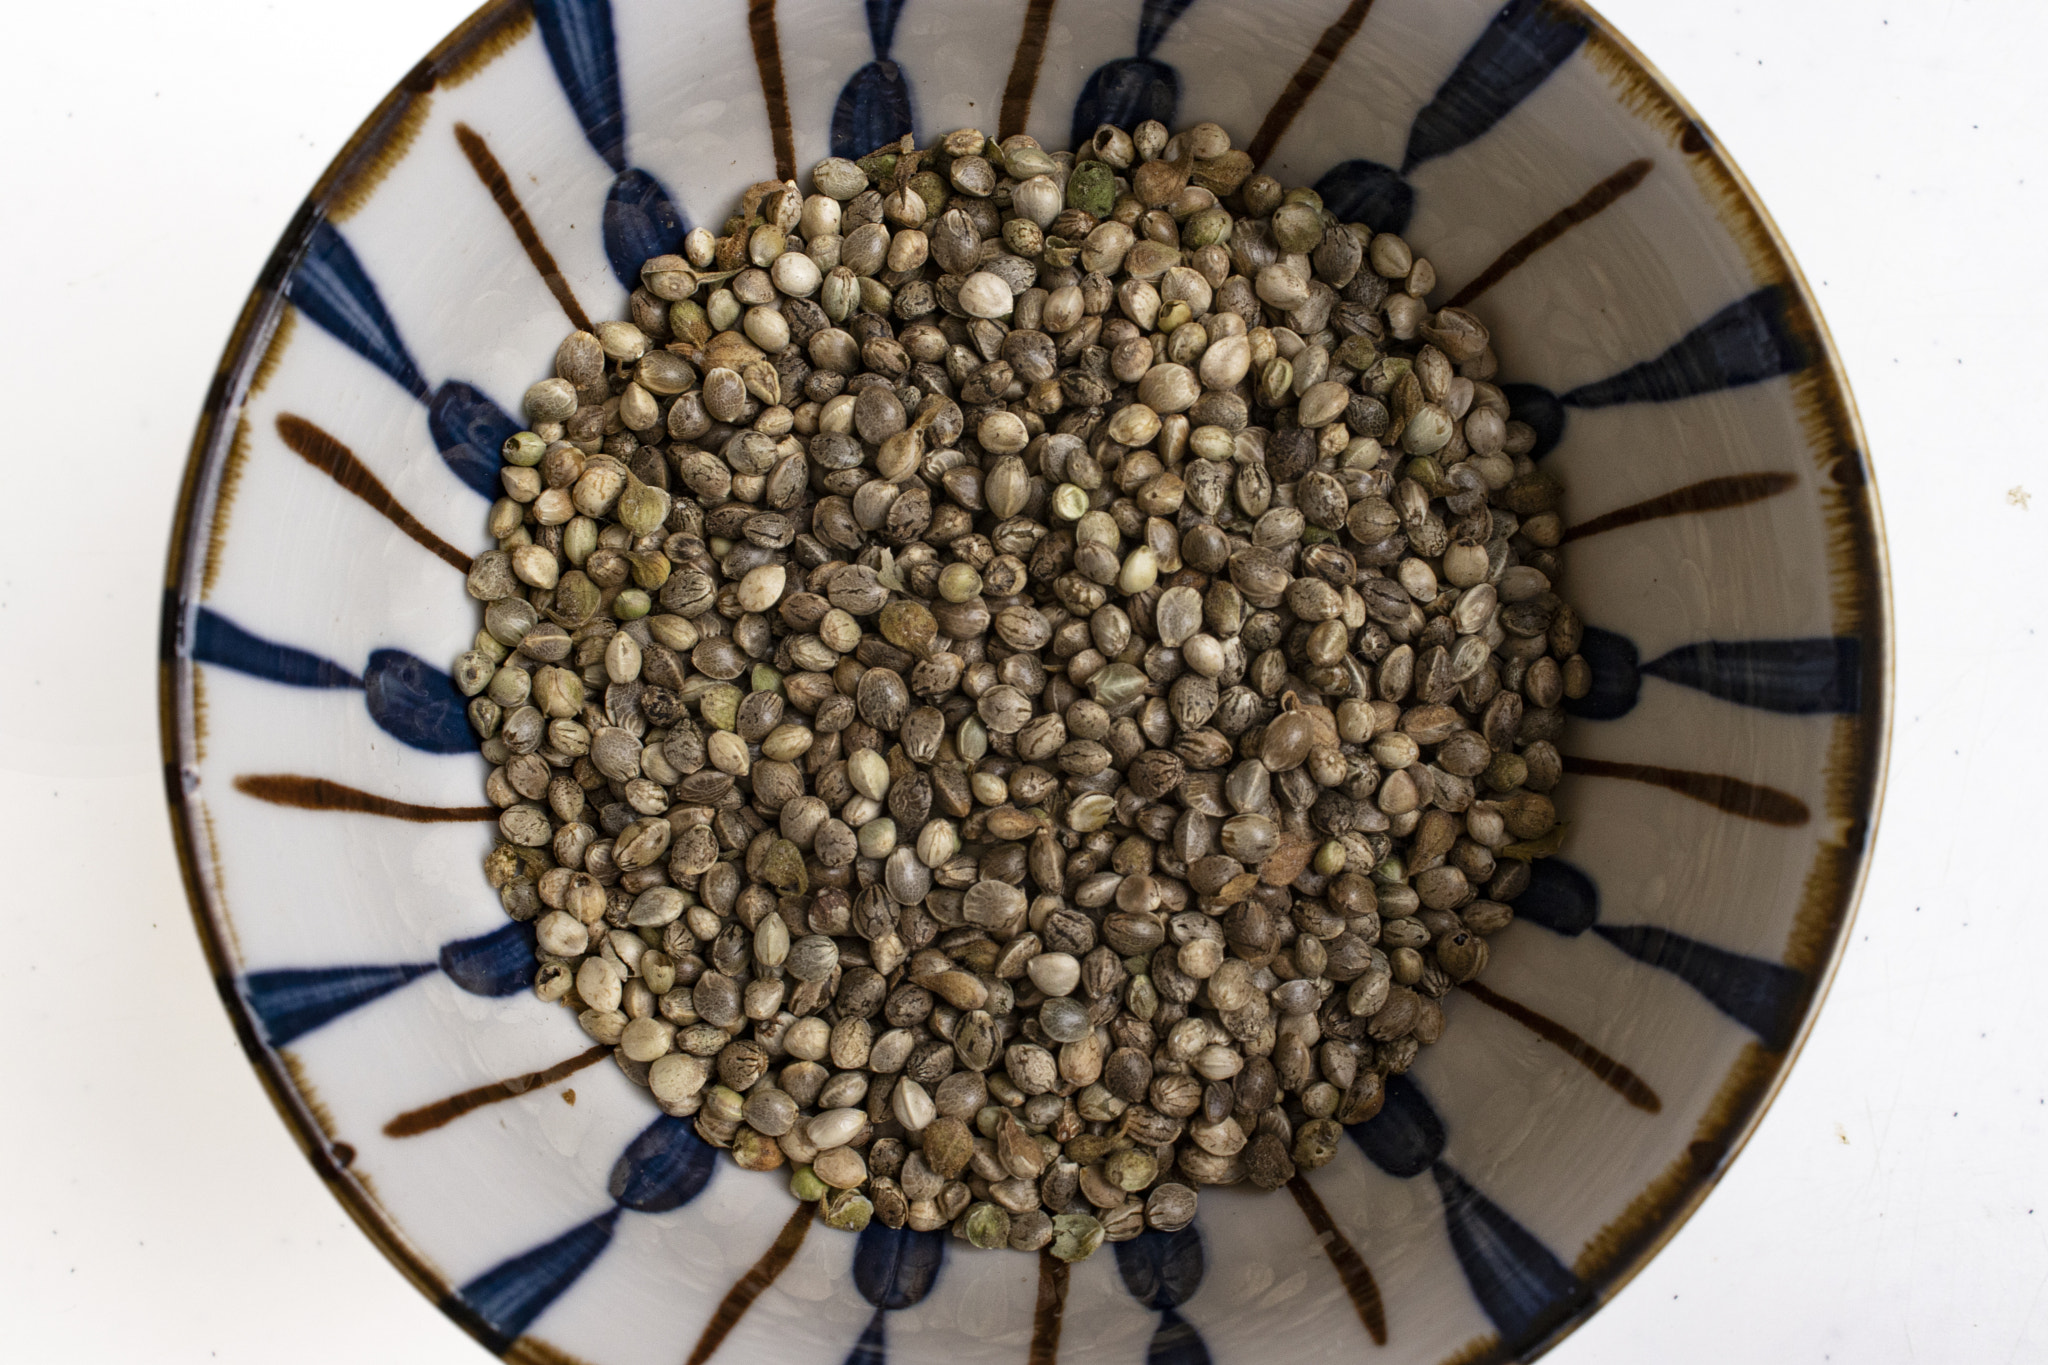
(1725, 552)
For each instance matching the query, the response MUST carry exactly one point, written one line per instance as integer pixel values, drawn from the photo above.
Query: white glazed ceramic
(1636, 1017)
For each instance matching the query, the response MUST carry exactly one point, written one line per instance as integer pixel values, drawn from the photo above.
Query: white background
(1893, 1205)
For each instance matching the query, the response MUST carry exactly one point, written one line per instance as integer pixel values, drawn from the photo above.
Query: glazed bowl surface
(1725, 550)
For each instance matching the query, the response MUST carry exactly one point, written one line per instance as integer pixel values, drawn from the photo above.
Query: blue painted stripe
(1406, 1135)
(1749, 341)
(470, 432)
(664, 1168)
(294, 1002)
(1764, 997)
(416, 703)
(1796, 677)
(1560, 897)
(499, 963)
(1162, 1270)
(1130, 90)
(873, 110)
(1525, 43)
(873, 1346)
(1520, 1283)
(578, 36)
(1125, 92)
(330, 286)
(1154, 19)
(896, 1267)
(410, 699)
(508, 1297)
(640, 220)
(882, 17)
(1176, 1342)
(217, 640)
(1366, 192)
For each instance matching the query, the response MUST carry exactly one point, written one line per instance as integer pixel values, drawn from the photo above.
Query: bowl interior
(1725, 553)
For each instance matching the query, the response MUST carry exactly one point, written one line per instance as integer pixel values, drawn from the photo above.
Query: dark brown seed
(1267, 1162)
(1127, 1075)
(1362, 1099)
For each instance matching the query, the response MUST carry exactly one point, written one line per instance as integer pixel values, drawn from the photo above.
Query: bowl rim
(384, 136)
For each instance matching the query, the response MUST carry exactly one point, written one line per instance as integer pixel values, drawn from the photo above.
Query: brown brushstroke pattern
(1306, 78)
(1613, 1074)
(499, 184)
(1352, 1271)
(1749, 800)
(768, 61)
(754, 1283)
(440, 1113)
(238, 450)
(1052, 1307)
(340, 464)
(1708, 495)
(399, 127)
(273, 352)
(1557, 225)
(384, 138)
(1017, 91)
(317, 793)
(224, 505)
(1687, 1177)
(462, 55)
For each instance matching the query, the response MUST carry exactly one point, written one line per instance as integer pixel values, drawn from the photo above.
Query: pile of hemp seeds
(1017, 681)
